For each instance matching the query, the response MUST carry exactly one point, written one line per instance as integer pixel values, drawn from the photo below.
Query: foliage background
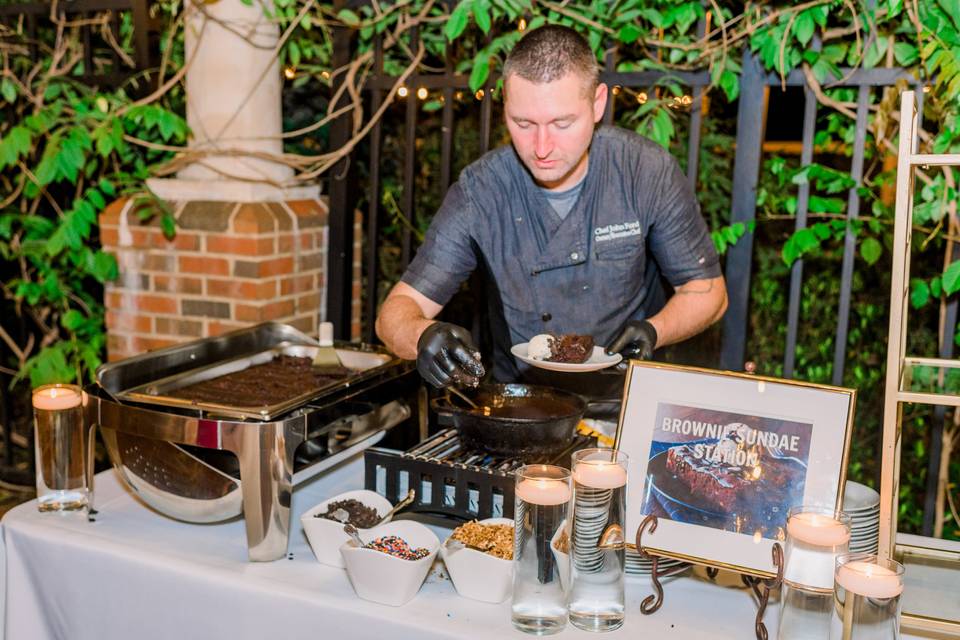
(69, 143)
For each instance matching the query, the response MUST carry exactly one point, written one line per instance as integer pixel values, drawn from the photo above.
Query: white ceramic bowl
(562, 559)
(326, 536)
(383, 578)
(479, 575)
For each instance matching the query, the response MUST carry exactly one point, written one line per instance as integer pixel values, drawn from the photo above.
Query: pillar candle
(814, 541)
(543, 491)
(870, 580)
(56, 398)
(598, 474)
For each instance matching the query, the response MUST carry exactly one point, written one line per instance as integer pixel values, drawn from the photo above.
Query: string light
(458, 95)
(479, 94)
(290, 73)
(616, 89)
(926, 88)
(422, 93)
(642, 97)
(325, 75)
(522, 25)
(402, 92)
(687, 100)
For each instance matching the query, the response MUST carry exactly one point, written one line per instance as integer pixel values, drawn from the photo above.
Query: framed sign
(720, 457)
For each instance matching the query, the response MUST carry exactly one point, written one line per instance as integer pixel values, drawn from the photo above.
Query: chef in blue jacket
(574, 224)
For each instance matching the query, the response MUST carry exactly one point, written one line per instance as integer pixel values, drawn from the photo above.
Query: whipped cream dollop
(539, 347)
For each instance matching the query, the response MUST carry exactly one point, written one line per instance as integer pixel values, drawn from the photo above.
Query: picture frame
(720, 457)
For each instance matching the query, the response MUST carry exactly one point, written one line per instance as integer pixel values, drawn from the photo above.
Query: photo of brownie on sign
(724, 470)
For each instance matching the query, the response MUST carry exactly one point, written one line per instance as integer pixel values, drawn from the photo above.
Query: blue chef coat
(587, 273)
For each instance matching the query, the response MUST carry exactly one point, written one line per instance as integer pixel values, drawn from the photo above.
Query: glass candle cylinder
(596, 595)
(866, 597)
(542, 501)
(815, 537)
(62, 448)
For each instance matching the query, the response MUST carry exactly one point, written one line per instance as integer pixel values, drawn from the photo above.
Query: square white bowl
(326, 536)
(383, 578)
(479, 575)
(562, 559)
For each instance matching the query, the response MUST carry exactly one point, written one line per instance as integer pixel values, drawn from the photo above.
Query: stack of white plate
(635, 564)
(863, 505)
(591, 514)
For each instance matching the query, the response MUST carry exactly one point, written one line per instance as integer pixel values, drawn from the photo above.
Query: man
(573, 224)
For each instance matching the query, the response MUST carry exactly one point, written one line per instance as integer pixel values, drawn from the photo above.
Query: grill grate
(451, 482)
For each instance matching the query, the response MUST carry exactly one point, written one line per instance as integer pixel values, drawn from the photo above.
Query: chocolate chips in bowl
(351, 511)
(323, 524)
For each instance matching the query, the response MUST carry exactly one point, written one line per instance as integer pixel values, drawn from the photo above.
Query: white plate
(874, 535)
(598, 360)
(859, 497)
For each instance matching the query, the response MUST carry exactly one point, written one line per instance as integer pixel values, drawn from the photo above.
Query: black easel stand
(761, 586)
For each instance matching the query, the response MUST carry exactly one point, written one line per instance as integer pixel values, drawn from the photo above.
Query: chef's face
(551, 125)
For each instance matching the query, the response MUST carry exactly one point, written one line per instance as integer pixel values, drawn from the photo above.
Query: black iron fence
(99, 25)
(751, 116)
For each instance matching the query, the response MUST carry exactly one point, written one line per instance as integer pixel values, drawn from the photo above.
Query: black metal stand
(652, 603)
(761, 586)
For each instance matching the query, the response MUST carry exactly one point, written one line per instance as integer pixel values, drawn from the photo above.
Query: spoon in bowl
(400, 505)
(351, 531)
(452, 544)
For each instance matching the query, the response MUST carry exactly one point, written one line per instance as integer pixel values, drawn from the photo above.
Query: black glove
(637, 339)
(446, 356)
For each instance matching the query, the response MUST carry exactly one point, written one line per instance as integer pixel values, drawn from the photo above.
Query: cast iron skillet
(517, 420)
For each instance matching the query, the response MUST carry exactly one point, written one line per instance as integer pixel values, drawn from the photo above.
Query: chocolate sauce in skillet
(520, 407)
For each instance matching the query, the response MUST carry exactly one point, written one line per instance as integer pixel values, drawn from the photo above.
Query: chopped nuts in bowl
(495, 539)
(560, 547)
(483, 568)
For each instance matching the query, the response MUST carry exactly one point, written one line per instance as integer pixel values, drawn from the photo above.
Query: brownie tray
(363, 362)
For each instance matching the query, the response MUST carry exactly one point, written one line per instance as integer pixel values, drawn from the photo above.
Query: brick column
(229, 266)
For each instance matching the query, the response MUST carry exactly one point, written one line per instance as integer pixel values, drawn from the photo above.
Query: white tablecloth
(136, 574)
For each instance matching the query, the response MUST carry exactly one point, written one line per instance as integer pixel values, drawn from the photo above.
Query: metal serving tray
(130, 380)
(170, 451)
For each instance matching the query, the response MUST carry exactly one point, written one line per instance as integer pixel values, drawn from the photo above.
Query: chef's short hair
(550, 52)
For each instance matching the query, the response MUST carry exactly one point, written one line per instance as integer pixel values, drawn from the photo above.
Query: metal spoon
(400, 505)
(612, 538)
(351, 531)
(453, 544)
(463, 397)
(340, 515)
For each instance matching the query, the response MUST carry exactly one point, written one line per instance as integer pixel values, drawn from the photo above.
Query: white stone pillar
(233, 90)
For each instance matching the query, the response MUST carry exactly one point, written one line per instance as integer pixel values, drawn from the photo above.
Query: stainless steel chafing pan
(157, 392)
(206, 462)
(126, 380)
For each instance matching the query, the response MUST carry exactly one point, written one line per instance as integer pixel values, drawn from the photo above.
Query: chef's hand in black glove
(446, 356)
(637, 340)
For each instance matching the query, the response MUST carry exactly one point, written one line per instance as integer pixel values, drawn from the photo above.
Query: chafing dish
(209, 461)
